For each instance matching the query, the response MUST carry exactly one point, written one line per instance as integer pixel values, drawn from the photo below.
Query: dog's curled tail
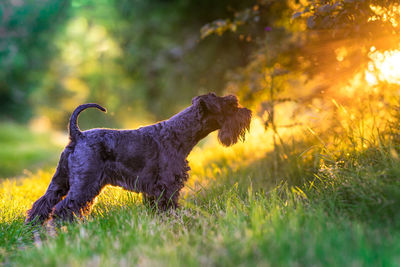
(73, 121)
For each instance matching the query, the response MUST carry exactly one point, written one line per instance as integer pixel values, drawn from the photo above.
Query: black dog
(151, 159)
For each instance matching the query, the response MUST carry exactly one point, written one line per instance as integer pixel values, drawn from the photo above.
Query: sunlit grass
(210, 159)
(257, 143)
(17, 195)
(238, 226)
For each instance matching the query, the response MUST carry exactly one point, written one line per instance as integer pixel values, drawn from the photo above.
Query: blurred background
(302, 66)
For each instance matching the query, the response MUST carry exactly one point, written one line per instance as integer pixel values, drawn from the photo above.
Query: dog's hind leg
(57, 189)
(80, 196)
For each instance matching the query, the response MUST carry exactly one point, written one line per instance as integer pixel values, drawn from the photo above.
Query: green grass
(246, 228)
(293, 210)
(21, 149)
(228, 230)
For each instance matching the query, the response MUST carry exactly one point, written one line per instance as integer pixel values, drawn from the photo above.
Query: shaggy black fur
(151, 159)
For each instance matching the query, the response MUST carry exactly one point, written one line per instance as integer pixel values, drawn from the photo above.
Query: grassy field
(302, 204)
(21, 149)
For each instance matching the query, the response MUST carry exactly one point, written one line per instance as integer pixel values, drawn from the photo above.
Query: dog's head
(224, 113)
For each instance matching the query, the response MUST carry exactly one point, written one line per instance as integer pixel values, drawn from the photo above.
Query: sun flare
(384, 66)
(386, 14)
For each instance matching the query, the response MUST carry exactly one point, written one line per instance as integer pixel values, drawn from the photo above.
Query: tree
(307, 41)
(25, 50)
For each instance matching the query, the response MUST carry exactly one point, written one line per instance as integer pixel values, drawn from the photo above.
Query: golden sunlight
(384, 67)
(390, 14)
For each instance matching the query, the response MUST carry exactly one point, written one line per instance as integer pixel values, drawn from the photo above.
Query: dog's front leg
(168, 199)
(149, 200)
(85, 187)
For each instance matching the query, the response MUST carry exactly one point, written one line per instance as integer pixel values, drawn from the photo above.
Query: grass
(242, 206)
(21, 149)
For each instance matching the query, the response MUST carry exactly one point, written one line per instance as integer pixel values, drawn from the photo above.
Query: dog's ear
(201, 104)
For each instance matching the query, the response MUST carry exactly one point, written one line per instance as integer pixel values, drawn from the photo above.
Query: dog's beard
(235, 127)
